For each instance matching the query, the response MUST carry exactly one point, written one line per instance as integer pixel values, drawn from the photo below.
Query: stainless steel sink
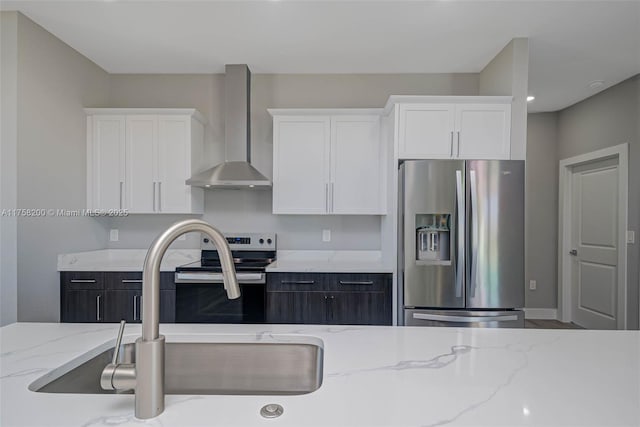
(243, 368)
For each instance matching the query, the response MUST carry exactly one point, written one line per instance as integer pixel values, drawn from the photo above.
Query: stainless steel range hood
(236, 171)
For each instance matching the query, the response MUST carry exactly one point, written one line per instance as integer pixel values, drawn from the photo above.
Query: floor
(549, 324)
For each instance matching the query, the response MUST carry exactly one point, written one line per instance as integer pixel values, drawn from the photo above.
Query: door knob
(573, 252)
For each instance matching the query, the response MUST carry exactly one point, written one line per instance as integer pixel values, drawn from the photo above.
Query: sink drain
(272, 410)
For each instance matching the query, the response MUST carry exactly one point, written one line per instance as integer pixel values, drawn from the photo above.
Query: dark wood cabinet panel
(111, 297)
(82, 280)
(358, 308)
(295, 282)
(167, 306)
(82, 306)
(329, 298)
(133, 280)
(357, 282)
(122, 304)
(296, 307)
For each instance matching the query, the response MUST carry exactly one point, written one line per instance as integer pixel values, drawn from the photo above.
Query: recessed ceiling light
(530, 98)
(251, 185)
(596, 84)
(207, 185)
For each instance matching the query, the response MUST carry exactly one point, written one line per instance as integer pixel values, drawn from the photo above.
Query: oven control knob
(261, 241)
(269, 241)
(206, 240)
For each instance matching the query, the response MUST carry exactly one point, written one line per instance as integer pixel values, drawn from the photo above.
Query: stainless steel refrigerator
(461, 243)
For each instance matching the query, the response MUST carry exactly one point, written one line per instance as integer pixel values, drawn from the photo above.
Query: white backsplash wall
(250, 210)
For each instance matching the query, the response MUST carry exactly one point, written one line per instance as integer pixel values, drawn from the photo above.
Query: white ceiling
(571, 42)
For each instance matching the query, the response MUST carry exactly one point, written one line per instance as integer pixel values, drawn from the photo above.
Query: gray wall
(54, 83)
(246, 210)
(508, 74)
(609, 118)
(541, 201)
(8, 165)
(604, 120)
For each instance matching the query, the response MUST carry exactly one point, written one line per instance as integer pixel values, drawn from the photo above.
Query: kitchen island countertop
(373, 376)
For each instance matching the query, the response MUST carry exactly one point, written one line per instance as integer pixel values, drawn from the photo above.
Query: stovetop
(252, 252)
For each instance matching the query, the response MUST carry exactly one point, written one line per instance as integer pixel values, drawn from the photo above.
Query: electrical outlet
(533, 285)
(113, 235)
(326, 235)
(631, 237)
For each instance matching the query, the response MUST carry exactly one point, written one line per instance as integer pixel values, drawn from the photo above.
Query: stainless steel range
(200, 296)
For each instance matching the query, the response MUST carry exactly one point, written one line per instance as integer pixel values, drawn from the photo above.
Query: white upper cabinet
(454, 128)
(355, 165)
(301, 164)
(174, 163)
(426, 131)
(141, 163)
(483, 131)
(327, 162)
(140, 159)
(105, 161)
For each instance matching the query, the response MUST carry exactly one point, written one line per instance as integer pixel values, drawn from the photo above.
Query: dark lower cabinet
(329, 298)
(358, 308)
(82, 306)
(296, 307)
(111, 297)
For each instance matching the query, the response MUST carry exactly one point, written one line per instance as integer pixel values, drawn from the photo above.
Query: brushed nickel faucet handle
(116, 352)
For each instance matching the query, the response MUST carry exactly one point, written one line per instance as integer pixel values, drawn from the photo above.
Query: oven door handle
(202, 277)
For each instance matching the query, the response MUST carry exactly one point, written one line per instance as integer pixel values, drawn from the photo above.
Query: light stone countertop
(287, 261)
(329, 262)
(373, 376)
(123, 260)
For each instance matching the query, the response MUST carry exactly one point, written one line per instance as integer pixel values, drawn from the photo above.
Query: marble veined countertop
(329, 262)
(373, 376)
(287, 261)
(123, 260)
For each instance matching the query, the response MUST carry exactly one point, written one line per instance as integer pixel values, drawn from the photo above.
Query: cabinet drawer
(82, 280)
(132, 280)
(123, 280)
(357, 282)
(294, 282)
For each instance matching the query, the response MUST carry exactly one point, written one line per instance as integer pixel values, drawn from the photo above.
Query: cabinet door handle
(98, 298)
(131, 280)
(451, 147)
(83, 280)
(297, 282)
(154, 196)
(121, 192)
(160, 196)
(331, 198)
(326, 197)
(458, 143)
(135, 307)
(349, 282)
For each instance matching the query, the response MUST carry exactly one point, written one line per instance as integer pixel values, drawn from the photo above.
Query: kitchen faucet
(146, 376)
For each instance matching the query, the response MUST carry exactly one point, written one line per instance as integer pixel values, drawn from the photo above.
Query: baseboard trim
(541, 313)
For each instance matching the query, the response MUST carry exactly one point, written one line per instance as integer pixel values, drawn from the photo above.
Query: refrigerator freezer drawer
(460, 318)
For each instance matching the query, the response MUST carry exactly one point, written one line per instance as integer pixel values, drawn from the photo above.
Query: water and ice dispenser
(433, 237)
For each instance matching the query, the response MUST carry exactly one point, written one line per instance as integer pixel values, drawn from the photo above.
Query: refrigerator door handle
(461, 233)
(465, 319)
(473, 262)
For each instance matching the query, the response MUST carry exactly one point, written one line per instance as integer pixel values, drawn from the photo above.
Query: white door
(141, 194)
(108, 163)
(594, 237)
(426, 131)
(356, 170)
(483, 131)
(301, 165)
(174, 164)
